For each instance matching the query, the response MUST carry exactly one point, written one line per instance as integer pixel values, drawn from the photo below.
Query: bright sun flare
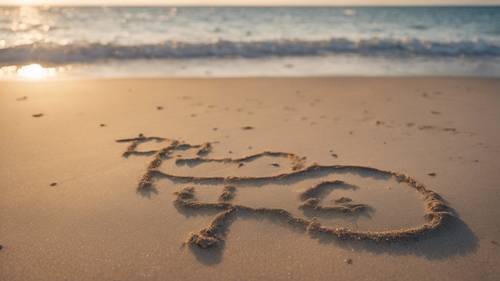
(35, 71)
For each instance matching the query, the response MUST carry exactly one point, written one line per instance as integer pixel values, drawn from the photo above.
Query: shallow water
(201, 41)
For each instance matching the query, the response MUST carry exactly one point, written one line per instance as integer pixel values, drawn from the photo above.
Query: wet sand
(250, 179)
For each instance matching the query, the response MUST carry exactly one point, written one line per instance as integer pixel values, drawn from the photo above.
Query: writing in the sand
(437, 212)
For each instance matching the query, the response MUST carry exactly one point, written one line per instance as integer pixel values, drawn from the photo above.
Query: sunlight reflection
(30, 25)
(35, 71)
(30, 72)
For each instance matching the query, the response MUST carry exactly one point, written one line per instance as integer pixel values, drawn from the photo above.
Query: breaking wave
(91, 52)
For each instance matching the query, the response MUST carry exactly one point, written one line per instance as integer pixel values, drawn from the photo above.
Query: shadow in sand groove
(442, 235)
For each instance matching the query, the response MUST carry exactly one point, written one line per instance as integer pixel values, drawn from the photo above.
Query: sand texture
(250, 179)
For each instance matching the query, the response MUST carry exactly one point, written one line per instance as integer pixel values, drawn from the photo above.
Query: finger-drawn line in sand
(437, 212)
(312, 198)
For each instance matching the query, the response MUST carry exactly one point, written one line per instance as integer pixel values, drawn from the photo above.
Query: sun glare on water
(27, 2)
(35, 72)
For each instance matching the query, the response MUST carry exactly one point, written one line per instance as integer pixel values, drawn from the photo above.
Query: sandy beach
(339, 178)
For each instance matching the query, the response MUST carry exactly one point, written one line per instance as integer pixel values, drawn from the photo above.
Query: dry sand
(265, 179)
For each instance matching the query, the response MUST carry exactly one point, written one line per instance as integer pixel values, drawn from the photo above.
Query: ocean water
(244, 41)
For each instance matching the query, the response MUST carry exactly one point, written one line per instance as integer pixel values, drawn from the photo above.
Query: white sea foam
(98, 35)
(91, 52)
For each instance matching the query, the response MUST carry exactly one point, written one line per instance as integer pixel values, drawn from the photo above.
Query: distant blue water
(468, 36)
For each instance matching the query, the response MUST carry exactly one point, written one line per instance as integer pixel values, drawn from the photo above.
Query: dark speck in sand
(102, 125)
(1, 247)
(215, 129)
(348, 261)
(432, 174)
(494, 242)
(334, 155)
(53, 184)
(22, 98)
(426, 127)
(159, 107)
(37, 115)
(275, 164)
(240, 165)
(247, 128)
(450, 130)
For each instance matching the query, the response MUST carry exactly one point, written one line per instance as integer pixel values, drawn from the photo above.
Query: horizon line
(260, 5)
